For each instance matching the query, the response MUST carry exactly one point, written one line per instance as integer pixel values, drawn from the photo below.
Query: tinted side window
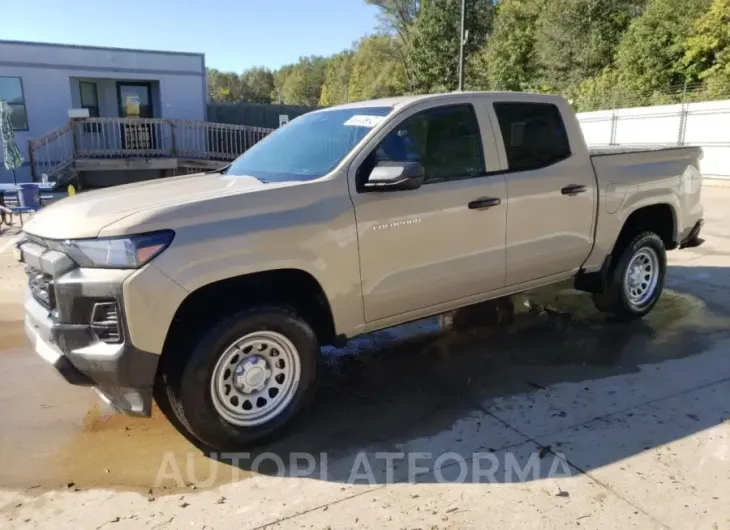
(533, 133)
(445, 140)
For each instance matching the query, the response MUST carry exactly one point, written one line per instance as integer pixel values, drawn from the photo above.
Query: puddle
(383, 388)
(560, 326)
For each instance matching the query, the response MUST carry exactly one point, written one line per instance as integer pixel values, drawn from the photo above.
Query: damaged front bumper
(75, 321)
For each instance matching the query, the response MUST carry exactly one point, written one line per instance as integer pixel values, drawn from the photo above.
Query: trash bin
(29, 195)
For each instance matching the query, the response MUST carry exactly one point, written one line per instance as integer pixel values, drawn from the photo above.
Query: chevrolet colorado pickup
(222, 287)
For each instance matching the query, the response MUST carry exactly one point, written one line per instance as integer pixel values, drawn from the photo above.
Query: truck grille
(105, 322)
(41, 288)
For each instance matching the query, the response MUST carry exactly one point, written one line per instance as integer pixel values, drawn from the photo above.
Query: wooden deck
(114, 144)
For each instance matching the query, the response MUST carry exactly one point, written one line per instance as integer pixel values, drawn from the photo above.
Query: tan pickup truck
(222, 287)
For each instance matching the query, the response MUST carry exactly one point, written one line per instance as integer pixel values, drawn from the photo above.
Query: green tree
(224, 86)
(257, 84)
(377, 71)
(335, 89)
(507, 61)
(603, 91)
(650, 54)
(397, 16)
(371, 70)
(577, 39)
(433, 48)
(280, 77)
(303, 84)
(707, 49)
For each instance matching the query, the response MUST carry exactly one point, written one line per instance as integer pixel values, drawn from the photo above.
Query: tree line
(597, 53)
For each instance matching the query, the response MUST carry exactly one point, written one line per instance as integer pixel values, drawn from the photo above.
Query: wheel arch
(293, 288)
(660, 218)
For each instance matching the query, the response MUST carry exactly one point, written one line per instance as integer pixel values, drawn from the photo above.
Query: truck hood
(85, 214)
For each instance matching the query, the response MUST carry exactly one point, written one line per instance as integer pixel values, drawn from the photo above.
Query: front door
(135, 101)
(434, 245)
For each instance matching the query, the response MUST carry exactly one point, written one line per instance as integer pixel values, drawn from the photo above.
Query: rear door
(423, 248)
(551, 188)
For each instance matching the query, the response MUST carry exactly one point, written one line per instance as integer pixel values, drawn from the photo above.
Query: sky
(233, 34)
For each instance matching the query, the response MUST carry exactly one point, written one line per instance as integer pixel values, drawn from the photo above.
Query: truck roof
(402, 101)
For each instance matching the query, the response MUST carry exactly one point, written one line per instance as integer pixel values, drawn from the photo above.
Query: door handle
(484, 202)
(573, 189)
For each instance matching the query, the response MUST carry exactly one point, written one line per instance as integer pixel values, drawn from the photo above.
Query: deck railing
(52, 153)
(139, 138)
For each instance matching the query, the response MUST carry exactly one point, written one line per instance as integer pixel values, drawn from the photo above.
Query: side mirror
(395, 176)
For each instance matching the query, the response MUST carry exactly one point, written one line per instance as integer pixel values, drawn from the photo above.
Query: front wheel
(246, 378)
(636, 281)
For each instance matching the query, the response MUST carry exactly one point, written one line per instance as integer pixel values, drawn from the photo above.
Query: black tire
(188, 386)
(614, 299)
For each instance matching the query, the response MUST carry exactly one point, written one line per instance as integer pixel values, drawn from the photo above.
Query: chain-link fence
(618, 97)
(693, 116)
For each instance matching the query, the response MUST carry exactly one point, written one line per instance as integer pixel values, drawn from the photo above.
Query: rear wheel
(636, 281)
(246, 378)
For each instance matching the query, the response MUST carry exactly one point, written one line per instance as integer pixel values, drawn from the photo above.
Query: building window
(90, 101)
(11, 91)
(89, 98)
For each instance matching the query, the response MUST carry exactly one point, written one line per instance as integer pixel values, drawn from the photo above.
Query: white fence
(705, 124)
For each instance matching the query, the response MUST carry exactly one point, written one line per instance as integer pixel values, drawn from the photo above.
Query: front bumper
(123, 374)
(61, 331)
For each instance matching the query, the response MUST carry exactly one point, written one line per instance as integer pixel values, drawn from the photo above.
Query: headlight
(130, 252)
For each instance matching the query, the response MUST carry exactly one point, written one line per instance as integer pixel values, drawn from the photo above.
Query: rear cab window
(534, 134)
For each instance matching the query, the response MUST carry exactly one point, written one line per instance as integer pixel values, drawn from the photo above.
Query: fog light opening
(105, 322)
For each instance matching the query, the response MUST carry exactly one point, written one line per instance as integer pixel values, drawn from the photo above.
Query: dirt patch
(12, 281)
(12, 335)
(109, 450)
(137, 454)
(12, 276)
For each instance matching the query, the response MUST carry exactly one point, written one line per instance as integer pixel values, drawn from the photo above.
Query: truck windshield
(308, 147)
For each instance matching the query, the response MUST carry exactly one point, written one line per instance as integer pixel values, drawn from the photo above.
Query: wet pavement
(558, 366)
(382, 389)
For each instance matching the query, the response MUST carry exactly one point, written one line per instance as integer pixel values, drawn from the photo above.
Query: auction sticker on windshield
(362, 120)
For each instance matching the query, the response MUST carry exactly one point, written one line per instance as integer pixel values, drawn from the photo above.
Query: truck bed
(639, 165)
